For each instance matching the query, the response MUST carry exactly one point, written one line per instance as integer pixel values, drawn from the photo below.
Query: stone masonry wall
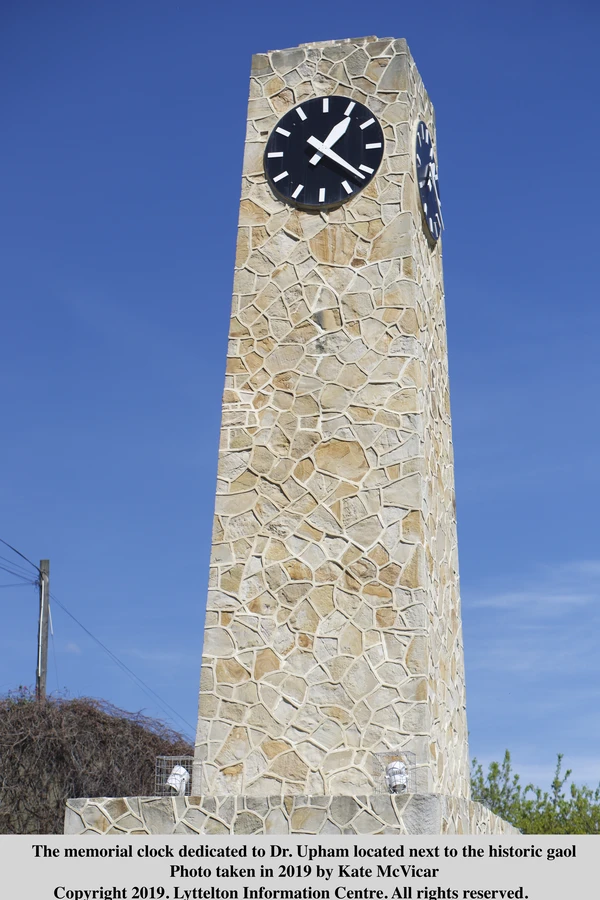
(333, 616)
(370, 814)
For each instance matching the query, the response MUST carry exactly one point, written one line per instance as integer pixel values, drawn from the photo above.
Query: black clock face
(323, 152)
(429, 186)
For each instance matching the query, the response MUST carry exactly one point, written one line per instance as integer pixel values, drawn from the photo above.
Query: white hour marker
(325, 104)
(346, 187)
(349, 108)
(372, 146)
(279, 177)
(297, 191)
(368, 169)
(283, 132)
(301, 113)
(321, 195)
(367, 123)
(273, 155)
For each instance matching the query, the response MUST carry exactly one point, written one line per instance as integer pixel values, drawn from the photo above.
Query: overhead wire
(22, 555)
(15, 565)
(26, 580)
(135, 678)
(130, 674)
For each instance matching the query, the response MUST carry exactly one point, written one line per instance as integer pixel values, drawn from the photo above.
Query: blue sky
(120, 162)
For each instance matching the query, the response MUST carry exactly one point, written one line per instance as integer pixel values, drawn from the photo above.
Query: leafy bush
(73, 748)
(557, 811)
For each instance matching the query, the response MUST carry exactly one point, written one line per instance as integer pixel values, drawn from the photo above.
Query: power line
(15, 565)
(16, 574)
(4, 560)
(135, 678)
(130, 674)
(18, 552)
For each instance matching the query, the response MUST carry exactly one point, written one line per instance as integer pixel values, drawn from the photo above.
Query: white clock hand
(334, 135)
(319, 145)
(426, 175)
(433, 181)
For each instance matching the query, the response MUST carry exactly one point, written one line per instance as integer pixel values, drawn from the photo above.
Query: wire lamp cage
(395, 772)
(173, 776)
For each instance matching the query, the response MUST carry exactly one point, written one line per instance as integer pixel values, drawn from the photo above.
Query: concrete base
(299, 814)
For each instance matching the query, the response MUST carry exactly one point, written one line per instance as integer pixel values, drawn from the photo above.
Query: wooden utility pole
(42, 657)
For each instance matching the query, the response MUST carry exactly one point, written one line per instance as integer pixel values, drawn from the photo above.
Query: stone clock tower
(333, 634)
(333, 620)
(332, 645)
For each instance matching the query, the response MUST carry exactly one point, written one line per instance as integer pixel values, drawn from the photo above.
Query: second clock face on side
(429, 185)
(323, 152)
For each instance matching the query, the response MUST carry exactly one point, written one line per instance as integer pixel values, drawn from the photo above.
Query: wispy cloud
(72, 647)
(545, 626)
(551, 590)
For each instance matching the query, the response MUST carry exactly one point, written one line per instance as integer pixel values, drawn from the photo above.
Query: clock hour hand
(325, 151)
(334, 135)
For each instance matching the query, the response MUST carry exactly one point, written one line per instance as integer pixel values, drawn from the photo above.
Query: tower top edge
(357, 41)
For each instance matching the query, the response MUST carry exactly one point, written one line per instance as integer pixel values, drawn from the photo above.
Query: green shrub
(574, 810)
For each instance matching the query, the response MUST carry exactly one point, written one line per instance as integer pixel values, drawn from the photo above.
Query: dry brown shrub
(73, 748)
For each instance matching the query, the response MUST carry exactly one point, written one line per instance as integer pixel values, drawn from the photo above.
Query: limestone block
(284, 61)
(158, 816)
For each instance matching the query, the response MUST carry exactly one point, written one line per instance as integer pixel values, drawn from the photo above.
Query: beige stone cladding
(333, 628)
(368, 814)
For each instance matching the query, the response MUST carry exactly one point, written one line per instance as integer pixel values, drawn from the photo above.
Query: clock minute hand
(433, 180)
(333, 137)
(320, 146)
